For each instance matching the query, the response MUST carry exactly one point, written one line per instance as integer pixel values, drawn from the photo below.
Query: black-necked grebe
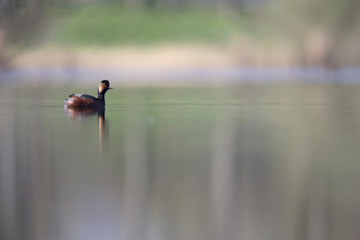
(88, 101)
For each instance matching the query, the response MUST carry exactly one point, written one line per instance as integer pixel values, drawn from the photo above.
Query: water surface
(277, 161)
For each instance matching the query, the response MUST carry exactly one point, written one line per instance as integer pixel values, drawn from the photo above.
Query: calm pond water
(252, 162)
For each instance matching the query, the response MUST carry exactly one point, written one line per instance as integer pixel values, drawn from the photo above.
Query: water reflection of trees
(285, 170)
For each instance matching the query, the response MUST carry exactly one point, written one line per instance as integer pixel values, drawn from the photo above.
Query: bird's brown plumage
(75, 101)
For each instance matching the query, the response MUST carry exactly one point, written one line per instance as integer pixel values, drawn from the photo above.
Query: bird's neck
(101, 97)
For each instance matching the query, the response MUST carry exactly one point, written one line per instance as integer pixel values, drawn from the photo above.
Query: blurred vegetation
(104, 25)
(320, 32)
(330, 28)
(28, 22)
(20, 19)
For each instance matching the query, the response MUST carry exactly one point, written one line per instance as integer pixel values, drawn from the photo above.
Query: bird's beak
(109, 88)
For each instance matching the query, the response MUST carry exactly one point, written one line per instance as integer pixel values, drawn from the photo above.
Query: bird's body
(88, 101)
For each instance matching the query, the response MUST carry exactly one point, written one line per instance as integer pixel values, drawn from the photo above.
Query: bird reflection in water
(80, 113)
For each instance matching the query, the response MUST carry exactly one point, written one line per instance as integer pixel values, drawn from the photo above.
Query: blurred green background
(207, 33)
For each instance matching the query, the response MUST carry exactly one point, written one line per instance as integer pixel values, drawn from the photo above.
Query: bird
(88, 101)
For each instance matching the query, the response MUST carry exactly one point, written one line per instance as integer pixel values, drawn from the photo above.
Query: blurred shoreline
(131, 57)
(181, 77)
(170, 64)
(238, 52)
